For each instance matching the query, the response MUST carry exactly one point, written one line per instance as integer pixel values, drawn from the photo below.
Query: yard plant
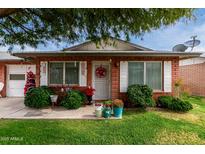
(140, 95)
(73, 100)
(37, 98)
(174, 104)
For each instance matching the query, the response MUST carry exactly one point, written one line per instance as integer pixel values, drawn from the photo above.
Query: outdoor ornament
(30, 82)
(100, 72)
(89, 93)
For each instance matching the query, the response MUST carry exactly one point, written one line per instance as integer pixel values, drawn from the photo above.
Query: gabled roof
(113, 44)
(5, 56)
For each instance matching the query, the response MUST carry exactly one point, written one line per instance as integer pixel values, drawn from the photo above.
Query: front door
(101, 80)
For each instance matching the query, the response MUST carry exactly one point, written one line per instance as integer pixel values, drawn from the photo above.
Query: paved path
(14, 108)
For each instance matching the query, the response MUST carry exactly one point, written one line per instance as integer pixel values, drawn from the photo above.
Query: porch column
(115, 79)
(175, 72)
(37, 73)
(89, 72)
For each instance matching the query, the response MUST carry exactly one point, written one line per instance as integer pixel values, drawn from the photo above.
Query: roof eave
(181, 55)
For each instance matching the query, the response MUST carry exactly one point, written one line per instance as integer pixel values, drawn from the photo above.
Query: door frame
(109, 77)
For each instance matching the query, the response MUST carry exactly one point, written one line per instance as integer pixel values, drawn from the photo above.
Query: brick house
(109, 68)
(192, 72)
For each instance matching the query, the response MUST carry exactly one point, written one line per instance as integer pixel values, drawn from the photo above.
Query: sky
(161, 39)
(167, 37)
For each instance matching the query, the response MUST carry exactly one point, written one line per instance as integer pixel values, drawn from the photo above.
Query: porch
(14, 108)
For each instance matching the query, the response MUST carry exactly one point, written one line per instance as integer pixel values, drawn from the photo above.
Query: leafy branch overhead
(37, 26)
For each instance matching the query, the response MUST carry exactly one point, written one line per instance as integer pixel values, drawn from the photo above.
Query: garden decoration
(89, 93)
(30, 82)
(100, 72)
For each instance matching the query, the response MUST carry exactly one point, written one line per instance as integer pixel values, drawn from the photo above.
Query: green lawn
(156, 126)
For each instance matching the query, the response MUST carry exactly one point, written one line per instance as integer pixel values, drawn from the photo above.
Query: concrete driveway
(14, 108)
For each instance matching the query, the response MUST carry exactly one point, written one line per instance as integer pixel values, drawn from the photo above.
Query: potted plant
(98, 109)
(89, 93)
(118, 108)
(107, 109)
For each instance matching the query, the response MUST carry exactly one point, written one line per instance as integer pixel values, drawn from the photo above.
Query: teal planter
(118, 112)
(107, 112)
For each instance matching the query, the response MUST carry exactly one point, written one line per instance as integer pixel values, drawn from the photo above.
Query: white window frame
(64, 62)
(145, 72)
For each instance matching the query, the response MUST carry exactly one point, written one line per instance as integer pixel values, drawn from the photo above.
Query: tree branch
(27, 30)
(9, 30)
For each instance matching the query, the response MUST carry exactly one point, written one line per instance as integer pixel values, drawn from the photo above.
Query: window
(72, 73)
(64, 73)
(149, 73)
(154, 75)
(17, 76)
(136, 73)
(56, 73)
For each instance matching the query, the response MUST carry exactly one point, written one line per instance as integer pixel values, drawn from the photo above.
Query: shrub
(140, 95)
(180, 105)
(48, 89)
(83, 96)
(118, 103)
(174, 104)
(72, 100)
(164, 101)
(37, 98)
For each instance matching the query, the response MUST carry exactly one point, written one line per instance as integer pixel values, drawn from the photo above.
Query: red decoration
(89, 91)
(100, 72)
(30, 82)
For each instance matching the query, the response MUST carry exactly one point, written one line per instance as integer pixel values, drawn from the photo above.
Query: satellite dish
(192, 43)
(179, 48)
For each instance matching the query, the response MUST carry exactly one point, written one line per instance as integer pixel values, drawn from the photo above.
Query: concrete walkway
(14, 108)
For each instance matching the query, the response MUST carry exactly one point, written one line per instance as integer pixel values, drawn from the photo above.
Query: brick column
(175, 72)
(89, 72)
(38, 73)
(115, 79)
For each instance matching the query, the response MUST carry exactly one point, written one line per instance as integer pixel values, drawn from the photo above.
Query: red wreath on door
(100, 72)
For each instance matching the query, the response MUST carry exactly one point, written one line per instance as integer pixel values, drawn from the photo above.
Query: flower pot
(118, 112)
(54, 98)
(98, 112)
(107, 112)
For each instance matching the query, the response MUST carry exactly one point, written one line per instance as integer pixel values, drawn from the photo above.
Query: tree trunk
(4, 12)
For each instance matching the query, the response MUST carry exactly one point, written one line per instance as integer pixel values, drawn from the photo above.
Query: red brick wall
(193, 77)
(115, 69)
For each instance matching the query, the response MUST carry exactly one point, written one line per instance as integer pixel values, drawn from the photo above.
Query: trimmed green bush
(164, 101)
(37, 98)
(180, 105)
(48, 89)
(72, 100)
(174, 104)
(83, 96)
(140, 95)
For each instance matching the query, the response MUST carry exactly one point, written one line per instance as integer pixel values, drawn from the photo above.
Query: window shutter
(83, 73)
(123, 76)
(167, 76)
(44, 73)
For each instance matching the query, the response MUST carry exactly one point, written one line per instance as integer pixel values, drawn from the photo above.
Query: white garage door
(16, 79)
